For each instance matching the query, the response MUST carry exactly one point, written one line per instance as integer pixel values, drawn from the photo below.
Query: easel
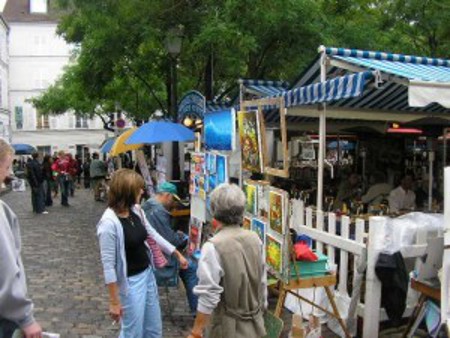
(310, 282)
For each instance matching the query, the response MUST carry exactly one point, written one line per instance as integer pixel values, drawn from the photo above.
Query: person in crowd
(16, 309)
(98, 172)
(79, 169)
(35, 177)
(61, 167)
(87, 172)
(348, 190)
(127, 262)
(157, 210)
(55, 176)
(403, 198)
(73, 172)
(379, 190)
(232, 260)
(48, 179)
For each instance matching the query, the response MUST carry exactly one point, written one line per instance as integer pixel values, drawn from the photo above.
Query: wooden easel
(326, 282)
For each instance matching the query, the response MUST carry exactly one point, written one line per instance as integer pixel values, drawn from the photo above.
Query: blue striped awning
(213, 106)
(342, 87)
(263, 88)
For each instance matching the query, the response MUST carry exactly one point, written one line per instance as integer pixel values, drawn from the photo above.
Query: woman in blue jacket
(127, 260)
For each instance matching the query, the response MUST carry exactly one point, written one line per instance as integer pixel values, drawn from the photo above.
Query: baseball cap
(169, 188)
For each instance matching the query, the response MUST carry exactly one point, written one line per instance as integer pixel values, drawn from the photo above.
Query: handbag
(168, 275)
(159, 260)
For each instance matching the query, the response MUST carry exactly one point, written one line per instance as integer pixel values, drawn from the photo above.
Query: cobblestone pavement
(64, 274)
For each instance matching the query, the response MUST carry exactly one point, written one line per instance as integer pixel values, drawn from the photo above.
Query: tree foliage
(121, 57)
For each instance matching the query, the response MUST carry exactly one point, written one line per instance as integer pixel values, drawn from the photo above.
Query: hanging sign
(191, 105)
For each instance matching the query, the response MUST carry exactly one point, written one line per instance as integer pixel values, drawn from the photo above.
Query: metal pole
(322, 133)
(174, 113)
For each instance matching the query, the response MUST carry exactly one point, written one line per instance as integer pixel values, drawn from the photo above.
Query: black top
(135, 249)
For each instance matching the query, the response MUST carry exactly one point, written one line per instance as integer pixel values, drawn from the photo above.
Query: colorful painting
(247, 223)
(220, 130)
(274, 254)
(250, 137)
(212, 182)
(276, 212)
(251, 198)
(259, 227)
(195, 235)
(198, 163)
(221, 169)
(211, 167)
(262, 206)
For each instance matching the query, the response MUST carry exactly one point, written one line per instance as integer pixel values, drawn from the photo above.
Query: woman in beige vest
(231, 271)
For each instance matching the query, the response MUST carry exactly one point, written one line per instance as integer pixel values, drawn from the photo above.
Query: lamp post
(173, 44)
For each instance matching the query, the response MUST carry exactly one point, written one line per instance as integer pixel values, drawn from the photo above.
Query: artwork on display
(198, 163)
(274, 254)
(276, 211)
(212, 182)
(247, 223)
(259, 227)
(220, 129)
(195, 235)
(211, 167)
(221, 169)
(262, 205)
(250, 198)
(250, 138)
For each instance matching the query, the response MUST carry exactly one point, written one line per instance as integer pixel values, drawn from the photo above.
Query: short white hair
(5, 149)
(228, 204)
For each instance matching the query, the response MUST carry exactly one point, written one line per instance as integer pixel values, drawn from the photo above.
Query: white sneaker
(44, 212)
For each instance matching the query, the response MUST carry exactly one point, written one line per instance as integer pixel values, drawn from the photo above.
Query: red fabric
(304, 253)
(61, 166)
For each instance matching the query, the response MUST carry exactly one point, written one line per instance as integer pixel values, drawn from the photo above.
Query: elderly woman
(16, 309)
(127, 259)
(231, 271)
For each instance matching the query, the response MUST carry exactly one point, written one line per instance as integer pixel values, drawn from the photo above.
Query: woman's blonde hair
(124, 188)
(5, 149)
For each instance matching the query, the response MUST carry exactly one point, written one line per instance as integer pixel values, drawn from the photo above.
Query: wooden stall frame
(278, 102)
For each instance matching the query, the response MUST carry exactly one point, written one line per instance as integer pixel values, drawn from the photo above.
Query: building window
(41, 121)
(38, 6)
(80, 122)
(18, 116)
(44, 150)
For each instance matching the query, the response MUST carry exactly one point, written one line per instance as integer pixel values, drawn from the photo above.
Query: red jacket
(61, 166)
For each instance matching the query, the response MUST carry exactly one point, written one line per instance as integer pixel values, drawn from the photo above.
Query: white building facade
(5, 129)
(37, 57)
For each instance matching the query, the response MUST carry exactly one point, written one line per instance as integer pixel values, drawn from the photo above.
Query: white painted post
(343, 264)
(332, 230)
(319, 222)
(301, 212)
(445, 285)
(359, 238)
(309, 214)
(372, 300)
(322, 132)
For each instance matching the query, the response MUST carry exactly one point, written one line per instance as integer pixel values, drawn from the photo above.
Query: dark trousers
(7, 328)
(38, 198)
(87, 182)
(48, 192)
(64, 189)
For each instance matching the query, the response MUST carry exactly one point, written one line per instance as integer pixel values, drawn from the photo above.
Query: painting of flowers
(276, 212)
(259, 227)
(274, 256)
(250, 138)
(250, 194)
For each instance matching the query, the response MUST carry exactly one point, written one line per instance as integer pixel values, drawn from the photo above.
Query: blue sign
(191, 105)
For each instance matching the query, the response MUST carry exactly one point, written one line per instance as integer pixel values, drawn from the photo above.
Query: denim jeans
(48, 192)
(64, 189)
(7, 328)
(190, 280)
(142, 314)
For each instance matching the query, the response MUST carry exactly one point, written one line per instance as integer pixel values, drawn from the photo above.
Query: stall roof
(410, 83)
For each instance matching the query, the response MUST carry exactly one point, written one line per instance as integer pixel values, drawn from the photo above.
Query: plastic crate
(311, 269)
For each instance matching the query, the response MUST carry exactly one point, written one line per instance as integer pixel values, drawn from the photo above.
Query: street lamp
(173, 44)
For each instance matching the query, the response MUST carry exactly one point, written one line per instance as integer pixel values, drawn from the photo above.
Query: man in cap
(157, 212)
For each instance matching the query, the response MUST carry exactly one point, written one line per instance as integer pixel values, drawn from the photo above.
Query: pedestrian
(61, 168)
(73, 172)
(127, 261)
(87, 173)
(48, 179)
(16, 309)
(55, 176)
(98, 172)
(35, 177)
(79, 169)
(232, 278)
(157, 210)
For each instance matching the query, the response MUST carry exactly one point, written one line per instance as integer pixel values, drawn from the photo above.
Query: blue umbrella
(23, 149)
(161, 131)
(106, 147)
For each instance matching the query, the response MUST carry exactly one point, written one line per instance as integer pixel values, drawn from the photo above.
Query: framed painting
(221, 169)
(251, 198)
(274, 255)
(247, 222)
(250, 138)
(277, 211)
(195, 235)
(259, 227)
(220, 129)
(212, 163)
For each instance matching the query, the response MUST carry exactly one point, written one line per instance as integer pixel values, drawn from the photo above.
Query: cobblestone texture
(62, 262)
